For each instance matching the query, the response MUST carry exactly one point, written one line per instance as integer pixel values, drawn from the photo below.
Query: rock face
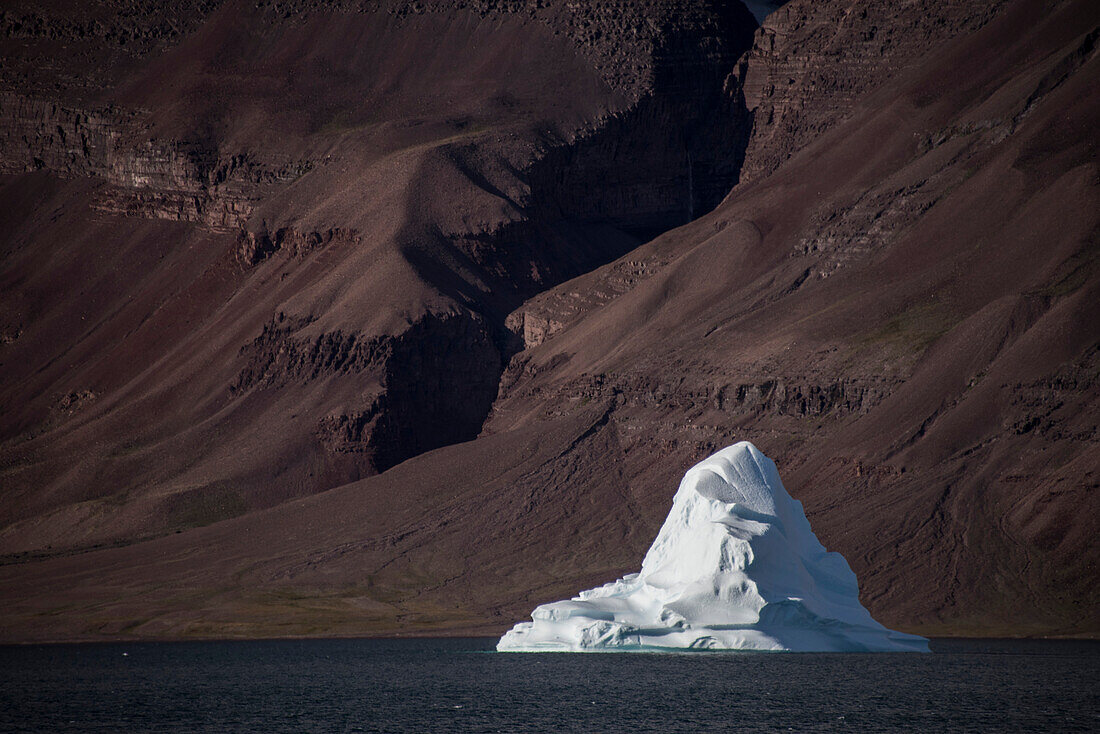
(809, 66)
(734, 567)
(263, 264)
(436, 382)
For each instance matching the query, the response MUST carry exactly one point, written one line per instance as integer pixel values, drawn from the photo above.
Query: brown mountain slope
(903, 313)
(274, 253)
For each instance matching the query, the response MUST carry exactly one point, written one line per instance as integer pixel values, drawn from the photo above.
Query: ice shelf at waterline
(734, 567)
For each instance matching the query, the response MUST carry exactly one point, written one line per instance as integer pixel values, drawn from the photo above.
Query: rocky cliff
(808, 67)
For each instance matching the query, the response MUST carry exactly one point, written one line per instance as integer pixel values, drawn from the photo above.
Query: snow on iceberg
(735, 567)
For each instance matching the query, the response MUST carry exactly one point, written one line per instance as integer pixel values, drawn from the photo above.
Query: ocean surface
(460, 685)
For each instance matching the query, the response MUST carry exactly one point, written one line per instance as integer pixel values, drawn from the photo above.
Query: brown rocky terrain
(300, 215)
(313, 325)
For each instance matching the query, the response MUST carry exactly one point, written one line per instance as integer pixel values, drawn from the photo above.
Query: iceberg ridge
(734, 567)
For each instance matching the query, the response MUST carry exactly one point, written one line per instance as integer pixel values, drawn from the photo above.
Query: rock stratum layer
(277, 278)
(735, 566)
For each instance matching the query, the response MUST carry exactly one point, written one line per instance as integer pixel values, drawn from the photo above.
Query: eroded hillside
(256, 251)
(326, 332)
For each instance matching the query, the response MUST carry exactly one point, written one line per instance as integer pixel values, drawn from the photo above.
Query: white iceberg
(735, 567)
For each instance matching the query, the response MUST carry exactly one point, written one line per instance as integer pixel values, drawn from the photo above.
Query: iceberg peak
(734, 567)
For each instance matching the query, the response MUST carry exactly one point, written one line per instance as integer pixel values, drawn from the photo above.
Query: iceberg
(734, 567)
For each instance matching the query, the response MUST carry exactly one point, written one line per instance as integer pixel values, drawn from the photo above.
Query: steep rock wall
(811, 62)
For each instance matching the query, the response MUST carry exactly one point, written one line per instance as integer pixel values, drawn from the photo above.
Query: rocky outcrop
(39, 133)
(531, 328)
(436, 381)
(1060, 407)
(811, 61)
(548, 313)
(690, 394)
(627, 41)
(104, 35)
(255, 247)
(174, 180)
(119, 23)
(276, 358)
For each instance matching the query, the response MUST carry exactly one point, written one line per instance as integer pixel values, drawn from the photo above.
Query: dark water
(458, 686)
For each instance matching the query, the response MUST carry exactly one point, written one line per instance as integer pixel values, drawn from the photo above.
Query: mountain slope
(898, 303)
(274, 251)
